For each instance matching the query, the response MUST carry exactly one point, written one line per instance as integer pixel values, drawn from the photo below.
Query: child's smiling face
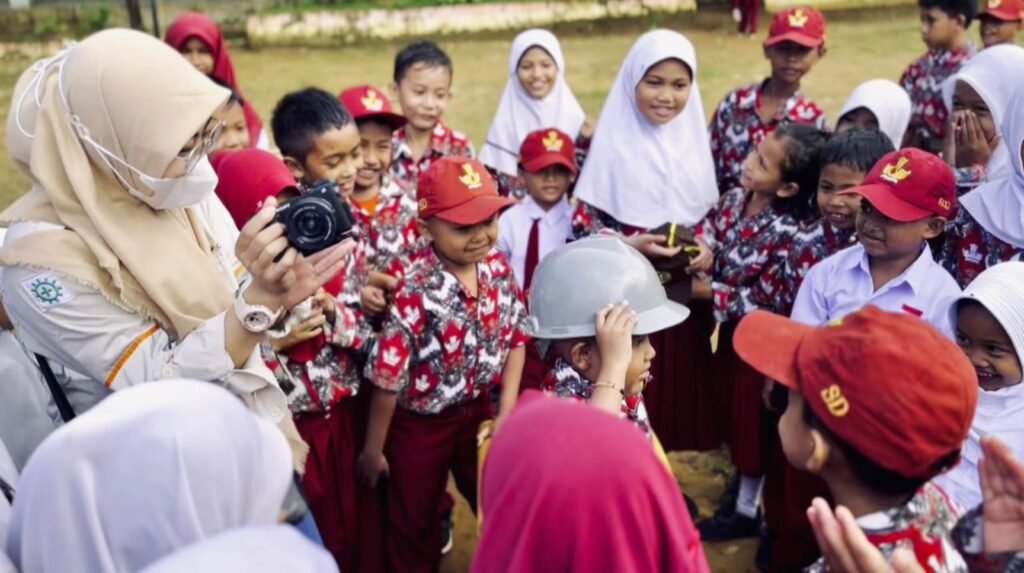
(537, 72)
(995, 31)
(839, 210)
(664, 90)
(375, 141)
(236, 131)
(988, 347)
(791, 61)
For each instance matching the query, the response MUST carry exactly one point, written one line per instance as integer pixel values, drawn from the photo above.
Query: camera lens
(311, 226)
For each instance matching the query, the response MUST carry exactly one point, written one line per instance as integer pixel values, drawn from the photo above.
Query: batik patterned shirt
(393, 240)
(444, 142)
(812, 243)
(565, 382)
(923, 525)
(968, 537)
(441, 346)
(923, 81)
(969, 249)
(750, 256)
(589, 220)
(737, 129)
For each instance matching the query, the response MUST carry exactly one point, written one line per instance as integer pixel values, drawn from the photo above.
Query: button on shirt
(842, 284)
(514, 231)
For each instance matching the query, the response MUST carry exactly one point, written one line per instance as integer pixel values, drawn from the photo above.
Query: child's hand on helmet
(615, 324)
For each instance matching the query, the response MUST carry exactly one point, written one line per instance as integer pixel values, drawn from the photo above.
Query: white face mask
(180, 192)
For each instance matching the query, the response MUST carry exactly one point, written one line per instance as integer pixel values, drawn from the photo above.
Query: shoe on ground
(726, 526)
(447, 534)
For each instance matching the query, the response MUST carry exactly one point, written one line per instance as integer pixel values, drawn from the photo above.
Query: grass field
(862, 45)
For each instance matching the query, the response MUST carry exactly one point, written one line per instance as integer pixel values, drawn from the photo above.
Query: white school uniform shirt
(514, 232)
(96, 347)
(842, 284)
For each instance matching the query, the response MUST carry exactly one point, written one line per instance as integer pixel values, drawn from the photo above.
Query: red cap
(909, 185)
(245, 178)
(804, 26)
(546, 147)
(904, 408)
(369, 102)
(458, 190)
(1005, 10)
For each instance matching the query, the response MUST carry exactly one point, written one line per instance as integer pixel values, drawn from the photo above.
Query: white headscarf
(519, 113)
(995, 73)
(998, 205)
(149, 470)
(263, 549)
(999, 413)
(645, 175)
(888, 101)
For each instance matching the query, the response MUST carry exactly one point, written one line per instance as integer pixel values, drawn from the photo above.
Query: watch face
(257, 321)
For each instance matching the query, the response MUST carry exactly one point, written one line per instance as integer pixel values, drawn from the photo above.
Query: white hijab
(999, 413)
(519, 113)
(996, 73)
(149, 470)
(645, 175)
(262, 549)
(888, 101)
(998, 205)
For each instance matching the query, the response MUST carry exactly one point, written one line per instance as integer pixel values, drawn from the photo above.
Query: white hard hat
(576, 281)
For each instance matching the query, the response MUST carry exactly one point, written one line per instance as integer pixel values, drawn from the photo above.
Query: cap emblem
(834, 400)
(423, 204)
(798, 19)
(896, 173)
(371, 102)
(944, 203)
(994, 3)
(552, 142)
(470, 178)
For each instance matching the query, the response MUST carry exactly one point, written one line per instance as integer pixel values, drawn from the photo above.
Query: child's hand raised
(615, 324)
(1002, 484)
(847, 550)
(971, 146)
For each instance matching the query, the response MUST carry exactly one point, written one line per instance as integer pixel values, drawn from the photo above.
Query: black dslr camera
(317, 219)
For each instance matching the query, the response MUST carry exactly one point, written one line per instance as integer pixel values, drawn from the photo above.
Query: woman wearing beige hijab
(110, 273)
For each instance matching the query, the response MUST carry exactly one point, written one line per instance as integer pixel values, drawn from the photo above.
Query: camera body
(317, 219)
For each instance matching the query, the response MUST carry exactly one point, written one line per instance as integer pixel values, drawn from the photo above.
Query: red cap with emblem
(804, 26)
(458, 190)
(546, 147)
(909, 185)
(1004, 10)
(903, 409)
(368, 102)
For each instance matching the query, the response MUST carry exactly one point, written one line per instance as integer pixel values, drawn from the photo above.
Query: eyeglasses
(207, 139)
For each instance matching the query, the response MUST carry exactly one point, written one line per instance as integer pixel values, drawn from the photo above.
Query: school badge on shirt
(47, 291)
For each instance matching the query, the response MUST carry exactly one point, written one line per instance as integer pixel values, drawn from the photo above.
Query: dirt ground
(702, 475)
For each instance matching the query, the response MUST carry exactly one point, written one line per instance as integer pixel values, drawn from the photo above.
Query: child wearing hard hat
(599, 331)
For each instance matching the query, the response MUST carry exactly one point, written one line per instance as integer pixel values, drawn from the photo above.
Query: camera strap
(67, 413)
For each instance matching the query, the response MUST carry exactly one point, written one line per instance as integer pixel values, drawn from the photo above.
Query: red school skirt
(683, 399)
(743, 408)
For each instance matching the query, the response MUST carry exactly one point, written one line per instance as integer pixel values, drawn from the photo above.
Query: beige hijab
(141, 101)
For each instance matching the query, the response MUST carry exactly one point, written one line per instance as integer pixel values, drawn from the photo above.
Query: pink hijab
(569, 488)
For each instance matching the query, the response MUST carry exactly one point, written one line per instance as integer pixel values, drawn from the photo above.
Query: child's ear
(820, 451)
(424, 229)
(935, 227)
(787, 190)
(962, 21)
(580, 356)
(822, 51)
(296, 168)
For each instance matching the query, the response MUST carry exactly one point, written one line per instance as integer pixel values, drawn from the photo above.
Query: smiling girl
(536, 96)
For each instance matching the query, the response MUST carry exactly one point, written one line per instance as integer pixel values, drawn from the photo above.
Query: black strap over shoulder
(67, 413)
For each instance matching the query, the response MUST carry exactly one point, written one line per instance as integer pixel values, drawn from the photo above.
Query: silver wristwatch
(255, 318)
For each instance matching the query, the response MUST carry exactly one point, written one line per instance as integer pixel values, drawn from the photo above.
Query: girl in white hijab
(146, 472)
(650, 161)
(989, 319)
(536, 97)
(258, 549)
(989, 226)
(111, 273)
(978, 98)
(881, 104)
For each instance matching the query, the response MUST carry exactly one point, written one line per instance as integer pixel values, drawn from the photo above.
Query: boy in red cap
(796, 41)
(386, 212)
(875, 418)
(944, 26)
(543, 221)
(454, 332)
(906, 200)
(1001, 22)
